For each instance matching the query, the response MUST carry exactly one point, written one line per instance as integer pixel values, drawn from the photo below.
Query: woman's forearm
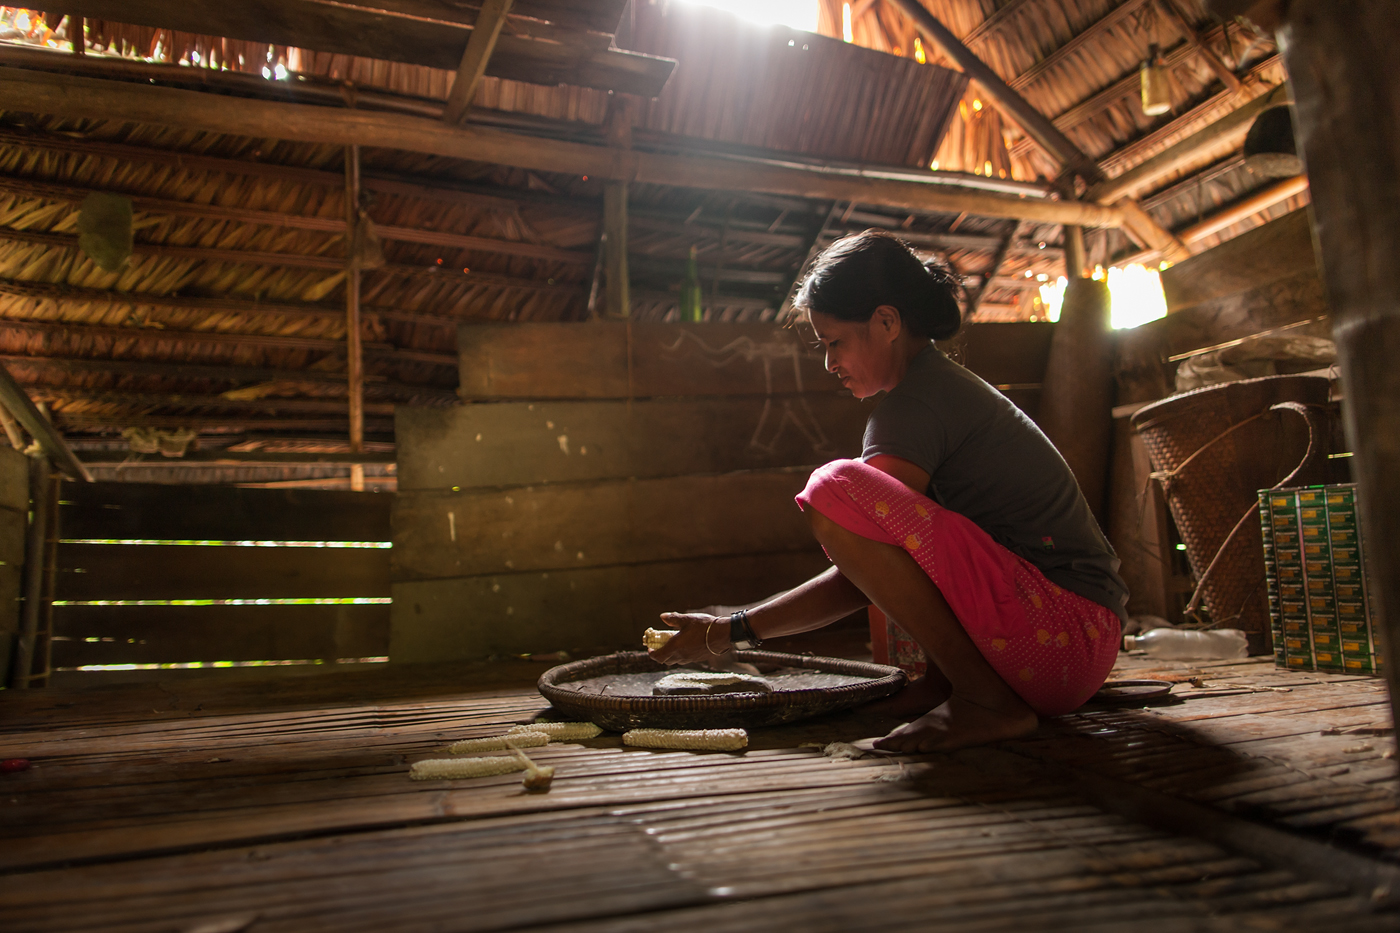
(820, 601)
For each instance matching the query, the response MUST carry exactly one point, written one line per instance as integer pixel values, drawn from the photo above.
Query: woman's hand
(700, 637)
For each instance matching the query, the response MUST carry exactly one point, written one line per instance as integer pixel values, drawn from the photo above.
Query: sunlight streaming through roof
(795, 14)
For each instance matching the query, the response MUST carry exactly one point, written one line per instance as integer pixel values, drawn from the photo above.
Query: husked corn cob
(497, 743)
(560, 731)
(654, 638)
(447, 769)
(537, 777)
(716, 740)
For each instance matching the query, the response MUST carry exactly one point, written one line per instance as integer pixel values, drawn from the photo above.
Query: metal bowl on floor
(615, 691)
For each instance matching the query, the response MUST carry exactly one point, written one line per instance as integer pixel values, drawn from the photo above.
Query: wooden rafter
(436, 41)
(1233, 125)
(65, 295)
(1139, 224)
(74, 195)
(482, 43)
(1188, 32)
(55, 329)
(190, 110)
(1114, 17)
(215, 373)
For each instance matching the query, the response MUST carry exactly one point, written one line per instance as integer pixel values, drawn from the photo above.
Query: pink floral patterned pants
(1055, 648)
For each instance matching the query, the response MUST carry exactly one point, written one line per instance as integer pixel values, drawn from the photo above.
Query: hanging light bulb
(1156, 84)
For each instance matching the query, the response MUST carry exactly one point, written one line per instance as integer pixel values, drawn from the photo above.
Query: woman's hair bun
(861, 272)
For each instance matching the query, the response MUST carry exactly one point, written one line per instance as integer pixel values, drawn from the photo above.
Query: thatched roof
(228, 319)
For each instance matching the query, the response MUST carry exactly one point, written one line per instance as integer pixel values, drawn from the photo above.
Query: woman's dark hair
(861, 272)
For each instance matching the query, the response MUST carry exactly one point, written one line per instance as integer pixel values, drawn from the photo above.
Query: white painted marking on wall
(564, 443)
(452, 525)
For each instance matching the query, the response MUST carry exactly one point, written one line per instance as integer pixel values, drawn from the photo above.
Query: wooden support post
(22, 669)
(618, 302)
(354, 351)
(485, 31)
(1075, 255)
(1076, 404)
(618, 297)
(1344, 66)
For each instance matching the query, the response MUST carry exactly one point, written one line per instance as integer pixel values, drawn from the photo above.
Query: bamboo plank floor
(1262, 799)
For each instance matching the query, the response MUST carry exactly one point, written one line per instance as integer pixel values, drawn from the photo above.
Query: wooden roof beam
(1197, 41)
(21, 407)
(436, 41)
(191, 110)
(240, 375)
(183, 400)
(1114, 17)
(1137, 222)
(1008, 100)
(67, 193)
(225, 339)
(1233, 125)
(293, 261)
(485, 31)
(1254, 203)
(65, 295)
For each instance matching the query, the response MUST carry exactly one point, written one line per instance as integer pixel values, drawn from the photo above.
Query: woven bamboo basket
(1235, 445)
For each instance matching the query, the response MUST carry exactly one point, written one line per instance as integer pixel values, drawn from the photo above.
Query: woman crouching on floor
(961, 522)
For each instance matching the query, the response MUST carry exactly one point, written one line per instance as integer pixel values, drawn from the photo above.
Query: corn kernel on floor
(1260, 799)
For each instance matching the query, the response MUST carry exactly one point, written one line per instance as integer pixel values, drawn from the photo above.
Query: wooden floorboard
(286, 806)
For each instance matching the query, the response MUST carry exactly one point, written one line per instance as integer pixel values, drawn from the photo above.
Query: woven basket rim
(1163, 410)
(883, 679)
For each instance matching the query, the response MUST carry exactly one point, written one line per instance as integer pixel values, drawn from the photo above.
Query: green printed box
(1317, 581)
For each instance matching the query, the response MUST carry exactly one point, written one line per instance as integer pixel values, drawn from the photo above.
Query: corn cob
(654, 638)
(447, 769)
(699, 683)
(716, 740)
(497, 743)
(537, 777)
(559, 731)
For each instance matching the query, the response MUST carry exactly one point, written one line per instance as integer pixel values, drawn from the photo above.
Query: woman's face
(862, 354)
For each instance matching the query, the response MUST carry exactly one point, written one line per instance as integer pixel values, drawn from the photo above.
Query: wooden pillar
(1076, 404)
(354, 351)
(1075, 255)
(35, 546)
(618, 297)
(1344, 66)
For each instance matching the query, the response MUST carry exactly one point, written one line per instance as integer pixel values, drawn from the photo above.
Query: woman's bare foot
(915, 699)
(959, 723)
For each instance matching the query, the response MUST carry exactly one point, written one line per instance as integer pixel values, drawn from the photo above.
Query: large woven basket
(732, 710)
(1210, 495)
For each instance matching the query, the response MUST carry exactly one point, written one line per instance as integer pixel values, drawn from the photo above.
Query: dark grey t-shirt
(989, 462)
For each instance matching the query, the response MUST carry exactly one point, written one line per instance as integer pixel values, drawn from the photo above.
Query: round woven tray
(722, 711)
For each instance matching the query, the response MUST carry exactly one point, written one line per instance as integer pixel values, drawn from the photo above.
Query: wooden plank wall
(14, 522)
(604, 472)
(91, 574)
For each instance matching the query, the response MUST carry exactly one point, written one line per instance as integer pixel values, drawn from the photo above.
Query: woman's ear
(887, 322)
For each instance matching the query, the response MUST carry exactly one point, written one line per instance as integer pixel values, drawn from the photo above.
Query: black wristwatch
(741, 633)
